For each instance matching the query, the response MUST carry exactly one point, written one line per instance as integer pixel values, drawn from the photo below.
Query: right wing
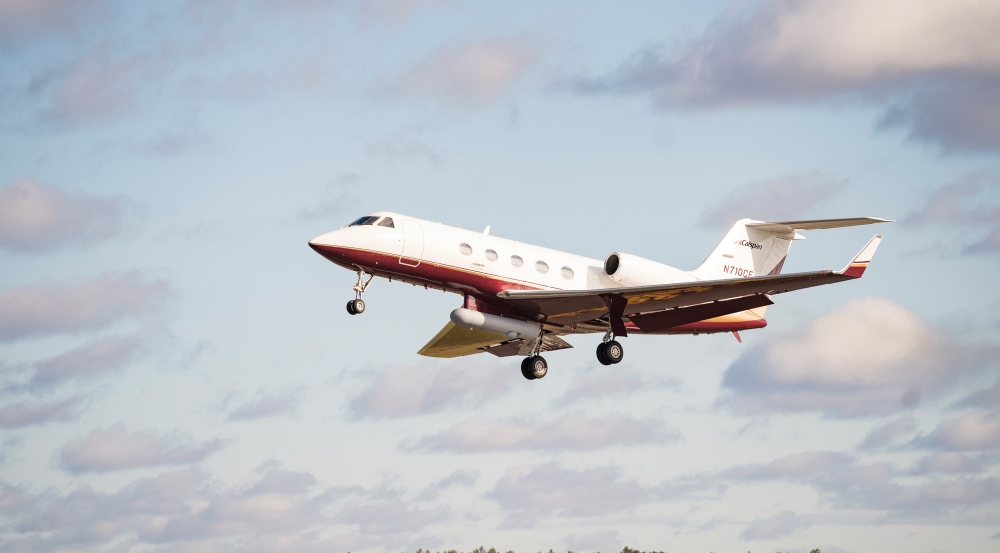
(569, 307)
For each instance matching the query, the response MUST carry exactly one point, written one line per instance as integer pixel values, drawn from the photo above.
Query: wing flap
(456, 341)
(662, 320)
(574, 306)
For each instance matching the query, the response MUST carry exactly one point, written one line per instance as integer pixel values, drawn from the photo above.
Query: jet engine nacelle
(632, 270)
(511, 328)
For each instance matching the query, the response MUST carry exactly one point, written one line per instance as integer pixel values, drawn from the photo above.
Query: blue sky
(179, 372)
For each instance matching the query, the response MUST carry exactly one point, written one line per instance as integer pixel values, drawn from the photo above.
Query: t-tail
(757, 248)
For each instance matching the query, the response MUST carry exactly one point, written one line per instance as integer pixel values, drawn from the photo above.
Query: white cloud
(469, 74)
(106, 354)
(872, 356)
(45, 309)
(407, 391)
(603, 384)
(949, 462)
(782, 199)
(16, 415)
(460, 477)
(888, 434)
(35, 217)
(551, 489)
(115, 448)
(572, 431)
(979, 430)
(933, 66)
(970, 205)
(601, 540)
(268, 404)
(777, 526)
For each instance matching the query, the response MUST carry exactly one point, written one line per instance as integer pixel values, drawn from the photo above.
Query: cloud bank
(871, 357)
(933, 67)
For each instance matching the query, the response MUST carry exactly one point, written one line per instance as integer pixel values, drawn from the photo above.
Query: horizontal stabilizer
(792, 226)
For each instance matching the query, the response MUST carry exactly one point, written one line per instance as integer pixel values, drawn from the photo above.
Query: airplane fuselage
(478, 266)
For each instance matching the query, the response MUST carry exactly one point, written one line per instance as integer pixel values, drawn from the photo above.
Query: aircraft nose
(327, 239)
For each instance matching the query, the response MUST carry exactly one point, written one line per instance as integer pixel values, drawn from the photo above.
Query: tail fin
(756, 248)
(747, 251)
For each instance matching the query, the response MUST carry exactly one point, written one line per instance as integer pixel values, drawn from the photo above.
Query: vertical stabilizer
(747, 251)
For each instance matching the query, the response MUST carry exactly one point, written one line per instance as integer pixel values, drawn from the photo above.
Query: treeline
(482, 549)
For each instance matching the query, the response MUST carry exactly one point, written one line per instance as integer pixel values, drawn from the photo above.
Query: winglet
(857, 266)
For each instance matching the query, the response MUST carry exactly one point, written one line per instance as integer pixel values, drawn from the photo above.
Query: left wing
(576, 306)
(456, 341)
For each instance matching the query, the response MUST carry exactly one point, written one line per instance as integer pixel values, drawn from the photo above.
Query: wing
(456, 341)
(577, 306)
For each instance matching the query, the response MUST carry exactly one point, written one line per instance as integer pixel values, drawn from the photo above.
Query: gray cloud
(16, 415)
(777, 526)
(474, 73)
(979, 430)
(572, 431)
(971, 205)
(460, 477)
(888, 434)
(45, 309)
(35, 217)
(782, 199)
(115, 448)
(268, 404)
(872, 356)
(936, 75)
(407, 391)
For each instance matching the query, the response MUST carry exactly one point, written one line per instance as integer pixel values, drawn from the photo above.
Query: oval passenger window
(566, 273)
(541, 267)
(516, 260)
(465, 249)
(491, 255)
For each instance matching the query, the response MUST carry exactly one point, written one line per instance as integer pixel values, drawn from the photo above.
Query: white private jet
(520, 298)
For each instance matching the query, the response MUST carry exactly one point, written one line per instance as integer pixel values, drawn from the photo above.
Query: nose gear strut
(357, 305)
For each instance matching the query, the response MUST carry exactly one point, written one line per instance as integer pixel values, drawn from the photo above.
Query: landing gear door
(413, 243)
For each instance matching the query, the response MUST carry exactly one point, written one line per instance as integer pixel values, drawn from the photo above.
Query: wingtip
(856, 268)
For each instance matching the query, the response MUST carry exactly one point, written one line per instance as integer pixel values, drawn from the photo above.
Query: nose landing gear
(357, 305)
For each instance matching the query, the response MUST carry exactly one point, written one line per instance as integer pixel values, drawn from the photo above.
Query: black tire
(601, 356)
(539, 368)
(359, 306)
(614, 351)
(525, 370)
(350, 308)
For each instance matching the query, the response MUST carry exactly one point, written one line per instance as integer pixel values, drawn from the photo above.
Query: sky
(178, 371)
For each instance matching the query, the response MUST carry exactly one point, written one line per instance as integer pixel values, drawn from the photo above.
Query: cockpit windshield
(366, 220)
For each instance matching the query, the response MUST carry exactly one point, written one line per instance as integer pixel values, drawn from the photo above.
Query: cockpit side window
(387, 222)
(366, 220)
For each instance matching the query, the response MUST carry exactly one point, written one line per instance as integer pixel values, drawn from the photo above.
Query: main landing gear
(610, 352)
(357, 305)
(534, 367)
